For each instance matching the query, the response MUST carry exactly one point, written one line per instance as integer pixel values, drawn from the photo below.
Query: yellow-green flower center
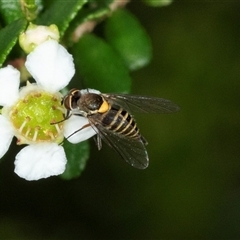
(34, 116)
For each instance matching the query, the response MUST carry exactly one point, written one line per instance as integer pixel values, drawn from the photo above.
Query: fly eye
(66, 102)
(76, 94)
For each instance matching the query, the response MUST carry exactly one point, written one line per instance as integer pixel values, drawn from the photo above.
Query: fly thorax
(90, 103)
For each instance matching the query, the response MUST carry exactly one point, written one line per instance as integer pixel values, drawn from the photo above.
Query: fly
(110, 116)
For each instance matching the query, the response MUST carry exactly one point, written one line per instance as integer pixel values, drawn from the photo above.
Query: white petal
(40, 160)
(6, 135)
(51, 66)
(73, 124)
(9, 85)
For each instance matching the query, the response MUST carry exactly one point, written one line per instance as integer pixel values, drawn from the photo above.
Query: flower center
(34, 116)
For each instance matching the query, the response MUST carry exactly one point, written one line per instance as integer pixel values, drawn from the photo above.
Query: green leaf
(93, 14)
(158, 3)
(101, 67)
(86, 14)
(9, 36)
(124, 32)
(61, 13)
(77, 156)
(96, 10)
(10, 10)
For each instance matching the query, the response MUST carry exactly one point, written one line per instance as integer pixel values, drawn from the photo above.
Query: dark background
(192, 186)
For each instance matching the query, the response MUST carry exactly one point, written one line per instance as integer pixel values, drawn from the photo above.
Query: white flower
(27, 112)
(73, 131)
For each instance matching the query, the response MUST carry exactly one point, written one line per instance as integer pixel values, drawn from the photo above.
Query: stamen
(54, 98)
(51, 135)
(57, 128)
(36, 133)
(23, 125)
(14, 112)
(60, 108)
(37, 94)
(27, 132)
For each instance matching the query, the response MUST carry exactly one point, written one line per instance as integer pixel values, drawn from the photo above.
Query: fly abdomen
(120, 121)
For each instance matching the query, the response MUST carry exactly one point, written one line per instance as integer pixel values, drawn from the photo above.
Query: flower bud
(35, 35)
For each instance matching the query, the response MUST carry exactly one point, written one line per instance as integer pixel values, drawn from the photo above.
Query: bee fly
(110, 116)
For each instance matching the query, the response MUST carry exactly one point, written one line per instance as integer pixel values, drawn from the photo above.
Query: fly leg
(98, 141)
(68, 115)
(85, 126)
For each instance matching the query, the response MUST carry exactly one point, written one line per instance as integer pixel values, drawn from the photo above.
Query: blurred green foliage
(124, 32)
(191, 188)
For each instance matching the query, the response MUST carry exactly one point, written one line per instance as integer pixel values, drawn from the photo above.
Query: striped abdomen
(121, 122)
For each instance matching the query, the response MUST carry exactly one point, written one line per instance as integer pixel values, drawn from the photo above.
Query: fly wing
(133, 151)
(142, 104)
